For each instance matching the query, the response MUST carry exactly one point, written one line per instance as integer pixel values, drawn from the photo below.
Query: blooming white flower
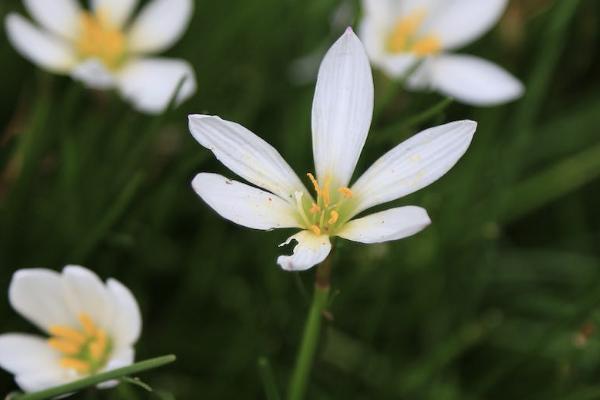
(92, 327)
(101, 48)
(341, 117)
(398, 34)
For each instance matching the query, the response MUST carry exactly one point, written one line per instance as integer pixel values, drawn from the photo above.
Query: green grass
(484, 304)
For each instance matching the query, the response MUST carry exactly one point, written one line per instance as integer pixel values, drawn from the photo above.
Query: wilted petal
(473, 80)
(384, 226)
(117, 11)
(342, 109)
(460, 22)
(247, 155)
(310, 250)
(243, 204)
(159, 25)
(42, 48)
(150, 83)
(413, 164)
(60, 17)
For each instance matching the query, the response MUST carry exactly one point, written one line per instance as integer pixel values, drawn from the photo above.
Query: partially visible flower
(91, 327)
(341, 117)
(399, 34)
(104, 49)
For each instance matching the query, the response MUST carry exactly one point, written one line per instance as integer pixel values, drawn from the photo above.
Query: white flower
(341, 117)
(103, 49)
(92, 327)
(398, 34)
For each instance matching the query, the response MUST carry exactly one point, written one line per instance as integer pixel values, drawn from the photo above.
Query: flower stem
(310, 337)
(96, 379)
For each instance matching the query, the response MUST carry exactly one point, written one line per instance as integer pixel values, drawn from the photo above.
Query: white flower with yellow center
(398, 34)
(104, 50)
(341, 117)
(91, 327)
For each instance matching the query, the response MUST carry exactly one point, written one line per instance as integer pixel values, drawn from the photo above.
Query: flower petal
(244, 204)
(41, 48)
(39, 296)
(150, 83)
(384, 226)
(413, 164)
(120, 358)
(93, 74)
(310, 251)
(43, 379)
(460, 22)
(473, 80)
(247, 155)
(126, 324)
(88, 295)
(159, 25)
(117, 11)
(342, 109)
(60, 17)
(21, 354)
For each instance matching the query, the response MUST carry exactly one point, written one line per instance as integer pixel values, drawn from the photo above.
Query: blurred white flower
(398, 34)
(341, 117)
(92, 327)
(103, 49)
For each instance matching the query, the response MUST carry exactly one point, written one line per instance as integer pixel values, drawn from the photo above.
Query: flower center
(99, 39)
(325, 215)
(406, 37)
(85, 350)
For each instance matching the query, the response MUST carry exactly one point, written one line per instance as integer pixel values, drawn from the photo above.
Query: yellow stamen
(316, 230)
(405, 37)
(315, 183)
(64, 346)
(346, 192)
(100, 39)
(333, 217)
(87, 324)
(80, 366)
(325, 193)
(314, 208)
(67, 333)
(427, 45)
(98, 347)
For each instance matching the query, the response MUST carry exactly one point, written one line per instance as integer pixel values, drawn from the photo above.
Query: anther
(315, 183)
(316, 230)
(314, 208)
(333, 217)
(346, 192)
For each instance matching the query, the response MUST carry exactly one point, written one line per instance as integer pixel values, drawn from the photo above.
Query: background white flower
(104, 49)
(92, 327)
(398, 34)
(341, 118)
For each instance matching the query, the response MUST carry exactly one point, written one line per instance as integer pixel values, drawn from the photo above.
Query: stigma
(406, 37)
(100, 39)
(85, 350)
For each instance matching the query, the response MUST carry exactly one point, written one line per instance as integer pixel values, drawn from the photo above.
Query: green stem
(99, 378)
(266, 375)
(310, 337)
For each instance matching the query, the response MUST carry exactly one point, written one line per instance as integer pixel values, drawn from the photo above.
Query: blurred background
(499, 298)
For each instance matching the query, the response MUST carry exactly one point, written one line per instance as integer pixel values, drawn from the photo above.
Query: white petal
(247, 155)
(473, 80)
(310, 250)
(159, 25)
(39, 295)
(150, 83)
(39, 47)
(88, 295)
(120, 358)
(126, 324)
(21, 354)
(460, 22)
(93, 74)
(61, 17)
(244, 204)
(117, 11)
(43, 379)
(413, 164)
(342, 109)
(384, 226)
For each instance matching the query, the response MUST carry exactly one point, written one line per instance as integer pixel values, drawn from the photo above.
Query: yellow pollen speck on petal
(67, 333)
(99, 39)
(346, 192)
(64, 346)
(314, 208)
(78, 365)
(315, 229)
(333, 217)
